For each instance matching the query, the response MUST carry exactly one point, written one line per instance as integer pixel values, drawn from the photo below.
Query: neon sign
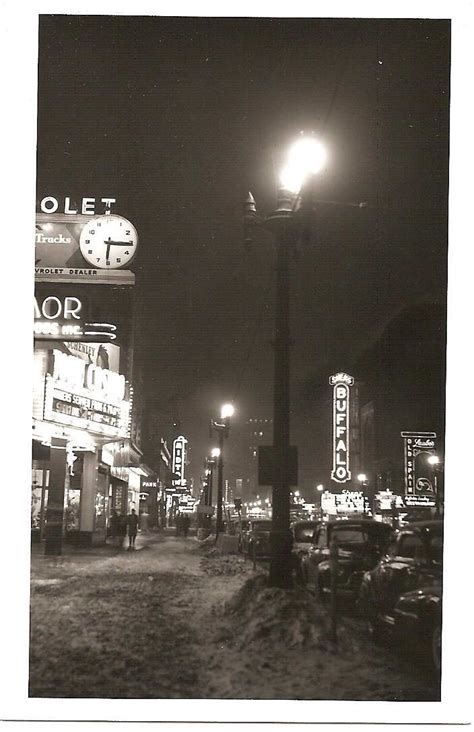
(178, 462)
(417, 447)
(61, 319)
(340, 462)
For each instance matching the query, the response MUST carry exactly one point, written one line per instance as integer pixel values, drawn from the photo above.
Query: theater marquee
(341, 462)
(86, 396)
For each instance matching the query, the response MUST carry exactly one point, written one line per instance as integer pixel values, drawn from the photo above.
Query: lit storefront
(80, 409)
(86, 461)
(346, 503)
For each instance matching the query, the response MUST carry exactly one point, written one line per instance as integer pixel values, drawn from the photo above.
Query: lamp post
(305, 158)
(222, 428)
(319, 489)
(435, 463)
(362, 478)
(210, 464)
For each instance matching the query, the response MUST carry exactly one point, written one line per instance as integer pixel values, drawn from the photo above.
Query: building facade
(87, 402)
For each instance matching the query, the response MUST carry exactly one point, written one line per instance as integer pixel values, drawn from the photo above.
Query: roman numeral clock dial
(108, 242)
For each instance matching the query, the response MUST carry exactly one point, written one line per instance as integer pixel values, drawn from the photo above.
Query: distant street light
(364, 481)
(319, 489)
(222, 428)
(227, 410)
(435, 463)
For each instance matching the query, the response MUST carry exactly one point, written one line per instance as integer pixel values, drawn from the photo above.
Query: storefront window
(118, 498)
(101, 503)
(73, 506)
(39, 497)
(36, 499)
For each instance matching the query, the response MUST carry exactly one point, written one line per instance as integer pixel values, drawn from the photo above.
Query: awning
(122, 454)
(143, 470)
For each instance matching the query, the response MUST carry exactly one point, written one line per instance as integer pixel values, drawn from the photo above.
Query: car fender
(323, 570)
(421, 607)
(366, 591)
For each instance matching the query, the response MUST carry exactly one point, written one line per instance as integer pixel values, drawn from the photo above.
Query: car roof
(260, 521)
(423, 525)
(306, 523)
(426, 524)
(356, 522)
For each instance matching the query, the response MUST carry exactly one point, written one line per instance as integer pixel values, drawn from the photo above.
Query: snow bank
(216, 563)
(263, 615)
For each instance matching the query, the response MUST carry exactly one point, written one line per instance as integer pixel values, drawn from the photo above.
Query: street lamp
(363, 480)
(305, 158)
(222, 428)
(320, 489)
(435, 462)
(210, 463)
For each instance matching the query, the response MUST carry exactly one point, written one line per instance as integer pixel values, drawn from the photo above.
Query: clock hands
(111, 243)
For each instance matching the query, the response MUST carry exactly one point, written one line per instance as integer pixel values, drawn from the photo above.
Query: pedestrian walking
(185, 521)
(132, 524)
(114, 527)
(179, 524)
(122, 530)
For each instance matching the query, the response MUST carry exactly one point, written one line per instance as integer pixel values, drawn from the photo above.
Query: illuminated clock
(108, 242)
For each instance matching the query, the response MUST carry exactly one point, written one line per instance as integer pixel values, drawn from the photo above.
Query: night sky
(179, 118)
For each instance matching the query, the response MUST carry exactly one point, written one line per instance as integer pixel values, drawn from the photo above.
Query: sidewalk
(74, 558)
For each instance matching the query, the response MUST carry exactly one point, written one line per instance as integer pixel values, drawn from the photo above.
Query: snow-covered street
(174, 620)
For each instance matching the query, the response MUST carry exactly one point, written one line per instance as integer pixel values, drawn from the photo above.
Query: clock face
(108, 242)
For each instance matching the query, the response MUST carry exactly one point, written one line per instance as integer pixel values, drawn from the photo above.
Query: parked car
(360, 547)
(256, 537)
(361, 542)
(402, 596)
(302, 533)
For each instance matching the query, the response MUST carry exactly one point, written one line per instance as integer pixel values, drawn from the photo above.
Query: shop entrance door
(119, 497)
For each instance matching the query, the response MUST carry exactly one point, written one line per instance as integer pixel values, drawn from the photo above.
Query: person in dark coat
(185, 521)
(132, 524)
(114, 526)
(179, 524)
(122, 530)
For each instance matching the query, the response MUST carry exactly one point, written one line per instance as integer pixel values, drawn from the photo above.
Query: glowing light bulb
(227, 410)
(306, 157)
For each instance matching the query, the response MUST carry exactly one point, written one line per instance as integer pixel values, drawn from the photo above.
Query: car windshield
(304, 533)
(349, 535)
(262, 526)
(359, 535)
